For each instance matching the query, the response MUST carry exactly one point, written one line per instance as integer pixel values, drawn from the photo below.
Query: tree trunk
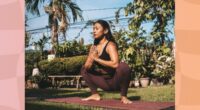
(54, 35)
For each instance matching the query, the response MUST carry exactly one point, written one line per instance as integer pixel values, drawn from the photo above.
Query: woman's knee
(83, 71)
(123, 68)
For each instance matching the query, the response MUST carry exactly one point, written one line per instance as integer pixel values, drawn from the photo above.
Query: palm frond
(33, 6)
(74, 8)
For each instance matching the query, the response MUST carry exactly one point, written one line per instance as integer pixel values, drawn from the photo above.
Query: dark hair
(108, 35)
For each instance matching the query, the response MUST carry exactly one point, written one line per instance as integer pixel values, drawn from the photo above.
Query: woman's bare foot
(125, 100)
(95, 97)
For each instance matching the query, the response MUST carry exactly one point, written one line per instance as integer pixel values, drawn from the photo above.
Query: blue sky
(73, 31)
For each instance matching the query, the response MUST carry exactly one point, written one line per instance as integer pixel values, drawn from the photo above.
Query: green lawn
(35, 97)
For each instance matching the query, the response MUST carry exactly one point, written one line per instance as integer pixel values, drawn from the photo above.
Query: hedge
(62, 66)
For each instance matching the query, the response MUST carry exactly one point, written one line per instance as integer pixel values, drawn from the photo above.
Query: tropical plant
(122, 41)
(165, 68)
(144, 48)
(160, 12)
(73, 48)
(165, 63)
(41, 44)
(58, 11)
(27, 35)
(41, 80)
(32, 57)
(27, 39)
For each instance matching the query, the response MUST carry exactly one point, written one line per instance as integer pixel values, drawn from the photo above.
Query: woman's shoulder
(111, 44)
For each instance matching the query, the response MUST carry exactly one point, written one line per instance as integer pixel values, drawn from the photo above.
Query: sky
(107, 12)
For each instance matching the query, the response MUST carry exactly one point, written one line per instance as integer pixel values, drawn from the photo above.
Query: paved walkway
(111, 104)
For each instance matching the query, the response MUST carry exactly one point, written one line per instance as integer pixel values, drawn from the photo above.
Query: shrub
(41, 80)
(31, 58)
(55, 66)
(165, 68)
(62, 66)
(28, 70)
(74, 64)
(71, 48)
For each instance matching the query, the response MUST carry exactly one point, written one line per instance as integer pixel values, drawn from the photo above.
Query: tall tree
(58, 12)
(160, 12)
(27, 35)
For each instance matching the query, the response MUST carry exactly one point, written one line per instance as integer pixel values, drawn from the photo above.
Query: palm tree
(27, 39)
(41, 43)
(58, 12)
(27, 35)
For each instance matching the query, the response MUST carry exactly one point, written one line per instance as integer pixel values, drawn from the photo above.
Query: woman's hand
(91, 56)
(93, 53)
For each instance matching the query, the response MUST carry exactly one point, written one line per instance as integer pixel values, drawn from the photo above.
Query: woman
(102, 68)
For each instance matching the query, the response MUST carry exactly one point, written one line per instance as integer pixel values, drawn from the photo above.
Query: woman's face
(98, 30)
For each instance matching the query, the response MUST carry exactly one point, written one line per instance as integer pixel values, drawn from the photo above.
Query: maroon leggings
(119, 82)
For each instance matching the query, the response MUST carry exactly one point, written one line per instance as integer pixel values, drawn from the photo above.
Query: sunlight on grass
(157, 93)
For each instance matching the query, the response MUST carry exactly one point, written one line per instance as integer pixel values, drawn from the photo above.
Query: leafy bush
(62, 66)
(165, 68)
(28, 70)
(74, 64)
(31, 58)
(41, 80)
(71, 48)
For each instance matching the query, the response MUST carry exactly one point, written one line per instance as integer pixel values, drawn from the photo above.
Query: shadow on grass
(55, 106)
(42, 94)
(134, 98)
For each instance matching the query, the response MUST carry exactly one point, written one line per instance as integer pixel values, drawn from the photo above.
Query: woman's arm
(113, 53)
(90, 59)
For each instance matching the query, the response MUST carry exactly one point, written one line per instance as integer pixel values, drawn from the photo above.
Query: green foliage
(142, 50)
(41, 44)
(68, 49)
(58, 12)
(28, 70)
(161, 12)
(41, 80)
(121, 40)
(36, 78)
(165, 68)
(31, 58)
(74, 64)
(62, 66)
(55, 66)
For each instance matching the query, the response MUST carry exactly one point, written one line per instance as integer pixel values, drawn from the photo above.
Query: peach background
(187, 29)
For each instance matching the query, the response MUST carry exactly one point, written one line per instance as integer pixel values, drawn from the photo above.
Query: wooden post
(53, 81)
(77, 82)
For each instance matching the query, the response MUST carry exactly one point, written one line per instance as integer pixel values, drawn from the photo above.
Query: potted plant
(34, 81)
(136, 82)
(40, 81)
(144, 66)
(144, 78)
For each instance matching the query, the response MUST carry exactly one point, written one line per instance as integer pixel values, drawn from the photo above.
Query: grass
(159, 93)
